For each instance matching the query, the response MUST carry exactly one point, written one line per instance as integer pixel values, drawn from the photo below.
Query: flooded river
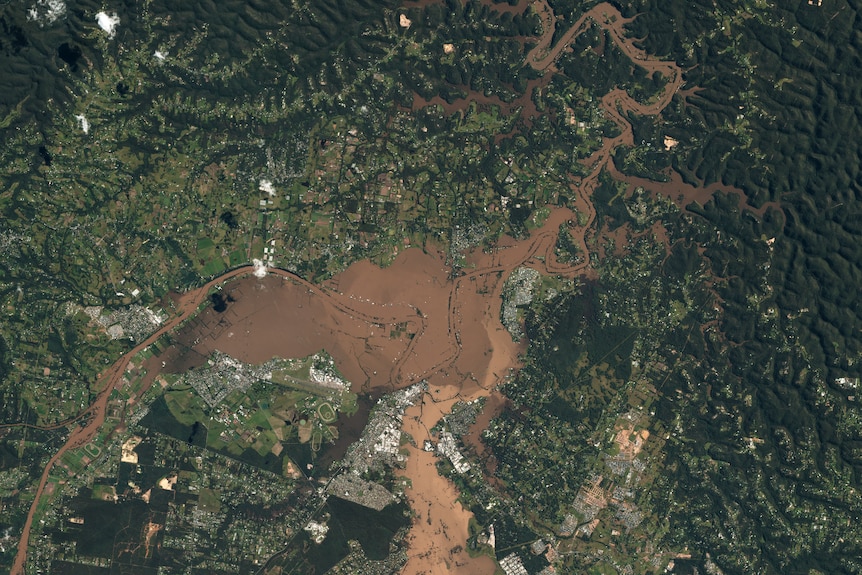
(458, 343)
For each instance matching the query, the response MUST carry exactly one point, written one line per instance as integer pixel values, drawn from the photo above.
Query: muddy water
(280, 317)
(459, 346)
(438, 537)
(543, 57)
(435, 530)
(458, 343)
(524, 103)
(618, 103)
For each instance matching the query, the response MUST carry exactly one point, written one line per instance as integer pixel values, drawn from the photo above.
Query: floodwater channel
(458, 344)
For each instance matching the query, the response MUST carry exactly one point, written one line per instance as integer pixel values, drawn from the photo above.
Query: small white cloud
(82, 121)
(46, 11)
(266, 186)
(159, 55)
(259, 268)
(108, 22)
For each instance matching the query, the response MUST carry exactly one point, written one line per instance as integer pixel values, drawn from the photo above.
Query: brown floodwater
(458, 343)
(524, 103)
(385, 328)
(278, 316)
(349, 429)
(458, 346)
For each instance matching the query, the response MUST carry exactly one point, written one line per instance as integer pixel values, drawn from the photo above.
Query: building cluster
(223, 375)
(381, 438)
(617, 492)
(628, 514)
(518, 291)
(376, 449)
(538, 547)
(322, 372)
(352, 487)
(463, 416)
(591, 499)
(512, 565)
(568, 526)
(12, 478)
(848, 384)
(448, 447)
(135, 322)
(317, 530)
(465, 237)
(388, 441)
